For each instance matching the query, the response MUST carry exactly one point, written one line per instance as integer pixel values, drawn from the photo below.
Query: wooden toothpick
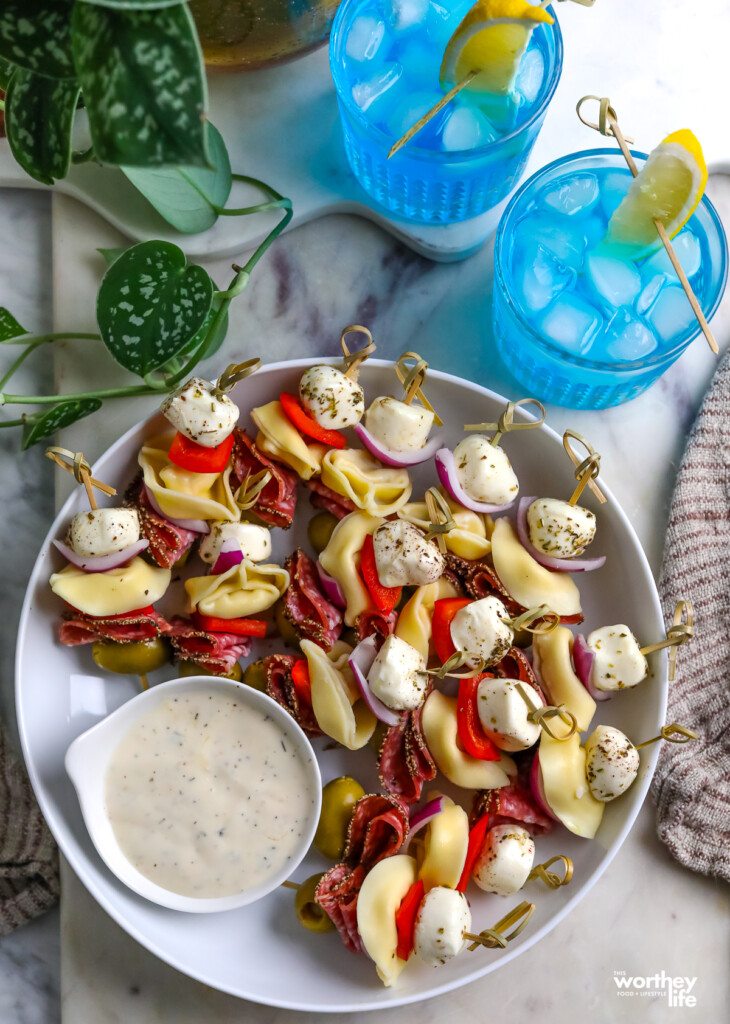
(423, 121)
(608, 125)
(74, 462)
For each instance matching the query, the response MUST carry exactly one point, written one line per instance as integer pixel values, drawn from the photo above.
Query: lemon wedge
(491, 39)
(667, 188)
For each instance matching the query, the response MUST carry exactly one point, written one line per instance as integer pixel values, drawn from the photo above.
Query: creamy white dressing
(208, 796)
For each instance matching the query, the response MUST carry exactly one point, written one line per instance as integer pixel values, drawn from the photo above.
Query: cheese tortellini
(358, 475)
(414, 621)
(336, 700)
(528, 582)
(551, 657)
(243, 590)
(114, 592)
(182, 494)
(341, 559)
(380, 896)
(447, 839)
(563, 771)
(469, 538)
(278, 438)
(440, 731)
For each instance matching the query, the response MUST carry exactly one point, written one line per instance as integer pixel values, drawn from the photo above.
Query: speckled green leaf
(144, 87)
(43, 424)
(183, 195)
(6, 70)
(110, 254)
(133, 5)
(218, 337)
(9, 326)
(39, 115)
(150, 304)
(36, 35)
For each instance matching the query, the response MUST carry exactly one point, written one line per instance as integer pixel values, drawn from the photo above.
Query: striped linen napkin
(691, 786)
(29, 883)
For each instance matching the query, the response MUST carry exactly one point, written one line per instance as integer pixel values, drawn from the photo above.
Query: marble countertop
(646, 915)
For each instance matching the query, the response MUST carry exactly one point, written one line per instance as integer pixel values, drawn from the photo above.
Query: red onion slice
(446, 469)
(583, 658)
(555, 564)
(537, 789)
(230, 555)
(194, 525)
(393, 458)
(100, 563)
(331, 587)
(423, 816)
(361, 661)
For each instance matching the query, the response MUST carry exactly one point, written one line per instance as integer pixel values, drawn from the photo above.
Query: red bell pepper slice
(385, 598)
(473, 738)
(136, 613)
(302, 682)
(476, 841)
(444, 611)
(197, 458)
(405, 919)
(305, 424)
(241, 627)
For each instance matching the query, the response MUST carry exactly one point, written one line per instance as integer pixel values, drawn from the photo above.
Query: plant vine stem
(12, 423)
(128, 392)
(18, 362)
(26, 339)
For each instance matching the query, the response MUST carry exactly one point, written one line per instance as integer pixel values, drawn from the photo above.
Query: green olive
(310, 914)
(338, 800)
(320, 529)
(134, 659)
(254, 675)
(287, 632)
(190, 668)
(522, 638)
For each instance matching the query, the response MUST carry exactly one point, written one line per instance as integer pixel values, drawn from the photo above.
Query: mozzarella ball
(612, 762)
(404, 557)
(484, 471)
(198, 413)
(103, 531)
(400, 427)
(482, 631)
(331, 398)
(398, 676)
(503, 714)
(255, 541)
(505, 860)
(559, 529)
(618, 662)
(442, 919)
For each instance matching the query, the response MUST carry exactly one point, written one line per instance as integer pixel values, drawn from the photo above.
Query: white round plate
(260, 952)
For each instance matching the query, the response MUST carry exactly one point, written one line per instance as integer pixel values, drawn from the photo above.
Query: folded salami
(167, 542)
(376, 623)
(276, 501)
(337, 894)
(405, 760)
(306, 606)
(216, 652)
(478, 579)
(280, 687)
(510, 805)
(132, 627)
(515, 665)
(324, 497)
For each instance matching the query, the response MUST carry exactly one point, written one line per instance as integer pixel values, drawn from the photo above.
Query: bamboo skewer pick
(494, 938)
(423, 121)
(74, 462)
(677, 634)
(582, 473)
(608, 125)
(353, 359)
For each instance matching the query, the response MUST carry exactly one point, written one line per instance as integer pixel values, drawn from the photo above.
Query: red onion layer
(194, 525)
(537, 788)
(446, 469)
(230, 555)
(331, 587)
(583, 658)
(423, 816)
(361, 661)
(101, 563)
(555, 564)
(390, 456)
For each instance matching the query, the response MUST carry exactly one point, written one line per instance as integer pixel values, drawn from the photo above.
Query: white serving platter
(260, 952)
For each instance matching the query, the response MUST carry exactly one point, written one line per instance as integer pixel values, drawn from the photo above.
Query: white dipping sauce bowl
(88, 757)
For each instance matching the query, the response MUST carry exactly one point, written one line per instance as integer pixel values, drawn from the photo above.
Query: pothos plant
(131, 72)
(158, 316)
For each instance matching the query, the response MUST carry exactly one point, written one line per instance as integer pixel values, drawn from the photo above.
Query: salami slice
(478, 579)
(279, 686)
(324, 497)
(405, 760)
(216, 652)
(276, 502)
(513, 805)
(376, 623)
(515, 665)
(378, 829)
(122, 629)
(306, 607)
(337, 894)
(168, 542)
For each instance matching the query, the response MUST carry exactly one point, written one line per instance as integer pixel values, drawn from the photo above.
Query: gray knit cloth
(29, 882)
(691, 787)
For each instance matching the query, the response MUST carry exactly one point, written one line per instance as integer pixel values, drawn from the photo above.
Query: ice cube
(614, 186)
(371, 93)
(579, 194)
(419, 67)
(501, 111)
(571, 323)
(671, 314)
(405, 15)
(616, 282)
(649, 293)
(530, 75)
(466, 128)
(627, 338)
(557, 233)
(539, 277)
(364, 39)
(689, 253)
(410, 110)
